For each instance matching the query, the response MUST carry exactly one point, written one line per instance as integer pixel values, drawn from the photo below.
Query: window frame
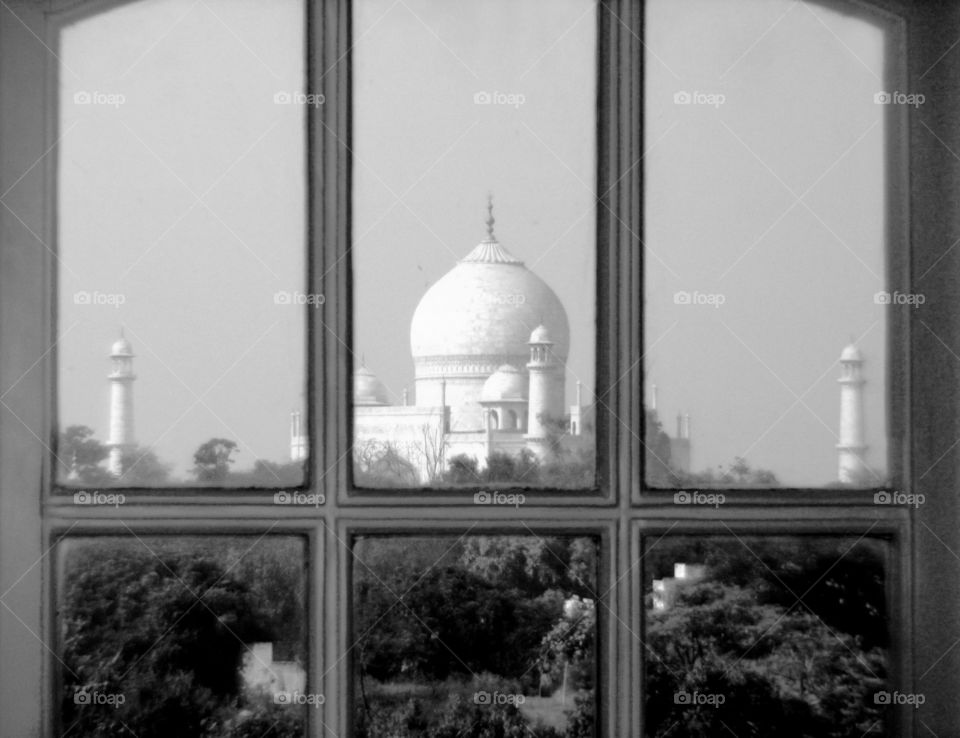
(925, 593)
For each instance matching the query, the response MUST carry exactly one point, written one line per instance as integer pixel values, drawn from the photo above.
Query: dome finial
(490, 218)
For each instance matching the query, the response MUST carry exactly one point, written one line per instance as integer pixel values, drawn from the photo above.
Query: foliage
(80, 452)
(165, 628)
(165, 632)
(212, 460)
(433, 611)
(142, 468)
(842, 584)
(450, 709)
(738, 474)
(382, 464)
(567, 651)
(269, 474)
(779, 671)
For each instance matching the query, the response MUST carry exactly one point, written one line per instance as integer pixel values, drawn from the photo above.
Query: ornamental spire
(490, 218)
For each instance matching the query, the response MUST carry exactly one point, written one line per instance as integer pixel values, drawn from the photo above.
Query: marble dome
(368, 389)
(121, 347)
(507, 383)
(851, 353)
(482, 312)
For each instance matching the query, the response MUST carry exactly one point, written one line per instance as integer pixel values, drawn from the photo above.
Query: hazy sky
(215, 355)
(798, 121)
(197, 279)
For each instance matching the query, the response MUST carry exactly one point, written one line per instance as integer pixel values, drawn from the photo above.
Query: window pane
(765, 238)
(482, 635)
(765, 636)
(181, 244)
(474, 318)
(187, 636)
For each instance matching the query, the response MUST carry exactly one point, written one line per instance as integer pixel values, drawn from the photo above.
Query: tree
(780, 671)
(270, 474)
(142, 468)
(79, 452)
(165, 631)
(737, 474)
(212, 460)
(463, 470)
(432, 449)
(381, 464)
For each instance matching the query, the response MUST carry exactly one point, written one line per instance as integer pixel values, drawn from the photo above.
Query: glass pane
(765, 636)
(478, 635)
(181, 192)
(188, 636)
(765, 241)
(474, 243)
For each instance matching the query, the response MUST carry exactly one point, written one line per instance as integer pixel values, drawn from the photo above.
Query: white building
(121, 403)
(851, 449)
(489, 342)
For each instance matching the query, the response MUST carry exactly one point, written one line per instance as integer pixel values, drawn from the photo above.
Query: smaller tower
(121, 403)
(546, 387)
(576, 413)
(851, 448)
(680, 445)
(298, 439)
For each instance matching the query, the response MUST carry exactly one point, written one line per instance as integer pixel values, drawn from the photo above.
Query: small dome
(540, 335)
(851, 353)
(507, 383)
(367, 389)
(121, 347)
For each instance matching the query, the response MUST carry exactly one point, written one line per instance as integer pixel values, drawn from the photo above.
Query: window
(893, 543)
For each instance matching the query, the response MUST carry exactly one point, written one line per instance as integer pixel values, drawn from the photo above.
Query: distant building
(851, 448)
(262, 670)
(121, 379)
(489, 342)
(666, 590)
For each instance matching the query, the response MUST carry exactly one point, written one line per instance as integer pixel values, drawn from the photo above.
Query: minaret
(851, 449)
(545, 396)
(121, 403)
(298, 439)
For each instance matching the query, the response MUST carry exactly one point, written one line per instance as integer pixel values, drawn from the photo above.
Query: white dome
(367, 389)
(121, 347)
(540, 335)
(851, 353)
(507, 383)
(483, 311)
